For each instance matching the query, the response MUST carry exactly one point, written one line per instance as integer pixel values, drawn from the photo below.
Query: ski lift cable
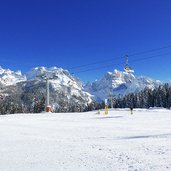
(112, 59)
(94, 63)
(149, 51)
(132, 61)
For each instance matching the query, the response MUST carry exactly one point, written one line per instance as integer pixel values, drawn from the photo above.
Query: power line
(135, 60)
(111, 59)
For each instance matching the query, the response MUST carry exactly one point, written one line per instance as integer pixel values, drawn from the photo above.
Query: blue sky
(71, 33)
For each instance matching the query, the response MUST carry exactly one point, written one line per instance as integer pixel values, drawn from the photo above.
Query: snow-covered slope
(8, 77)
(119, 83)
(87, 142)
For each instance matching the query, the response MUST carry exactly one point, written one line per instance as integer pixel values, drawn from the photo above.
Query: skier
(131, 109)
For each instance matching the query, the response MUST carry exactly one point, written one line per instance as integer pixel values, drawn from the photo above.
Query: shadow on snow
(110, 117)
(148, 136)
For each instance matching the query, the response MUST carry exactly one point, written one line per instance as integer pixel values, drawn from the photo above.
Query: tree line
(158, 97)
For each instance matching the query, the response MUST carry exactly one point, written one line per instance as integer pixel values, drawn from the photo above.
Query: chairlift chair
(127, 68)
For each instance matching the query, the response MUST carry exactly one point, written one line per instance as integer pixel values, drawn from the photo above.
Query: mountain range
(67, 91)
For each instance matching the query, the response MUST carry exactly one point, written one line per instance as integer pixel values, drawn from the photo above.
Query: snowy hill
(8, 77)
(119, 83)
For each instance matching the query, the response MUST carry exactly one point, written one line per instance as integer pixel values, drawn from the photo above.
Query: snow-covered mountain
(66, 91)
(119, 83)
(58, 77)
(61, 81)
(8, 77)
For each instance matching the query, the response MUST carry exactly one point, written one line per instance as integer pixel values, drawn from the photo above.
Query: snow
(87, 141)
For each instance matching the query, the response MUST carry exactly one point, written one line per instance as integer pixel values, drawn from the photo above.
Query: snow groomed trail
(86, 141)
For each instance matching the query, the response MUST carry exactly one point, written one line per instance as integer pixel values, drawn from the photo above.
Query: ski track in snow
(86, 141)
